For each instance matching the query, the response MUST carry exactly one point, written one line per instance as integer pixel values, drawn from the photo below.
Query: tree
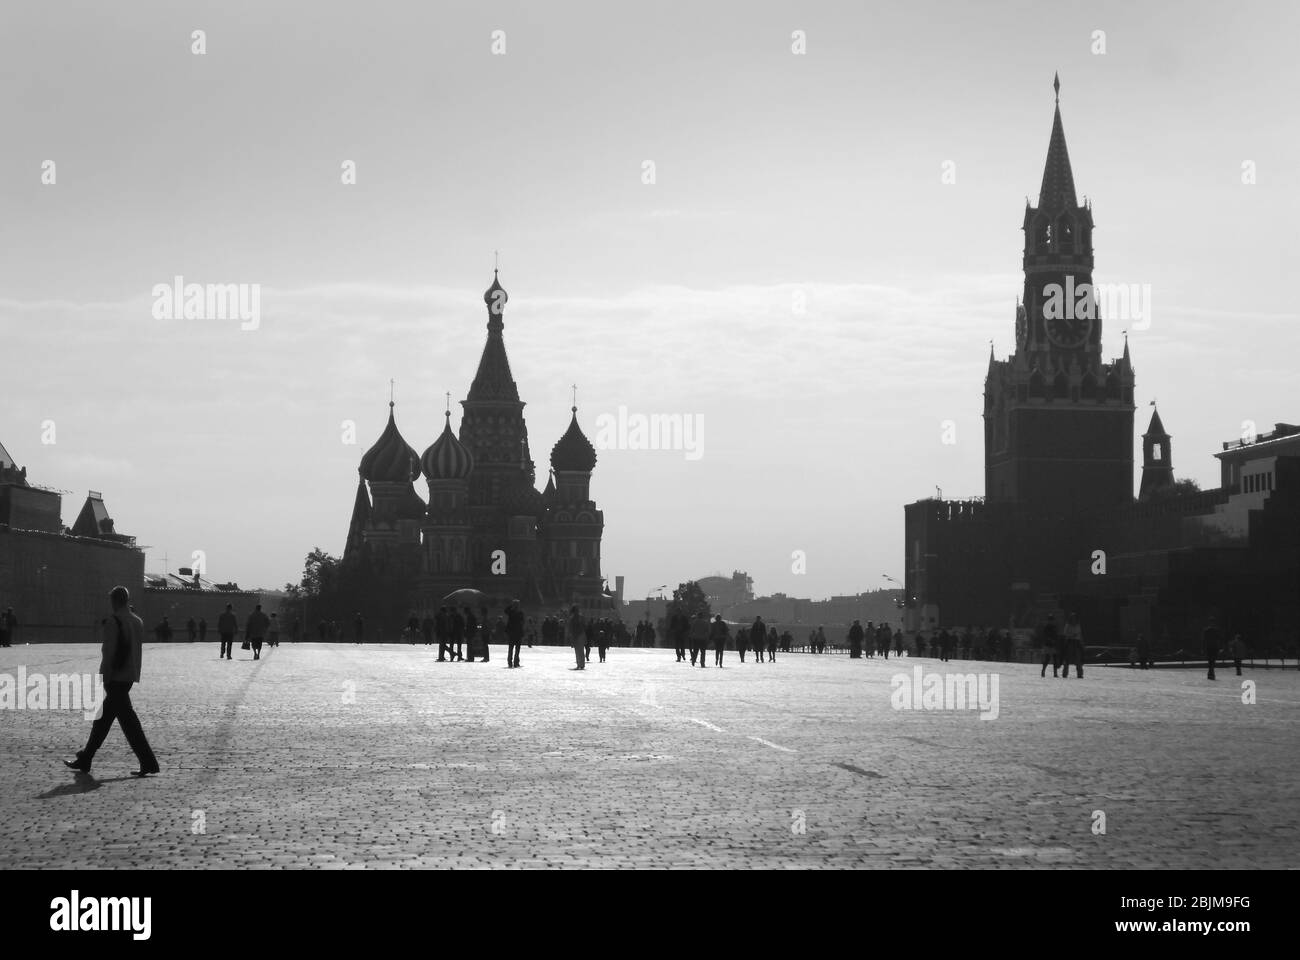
(1180, 488)
(689, 599)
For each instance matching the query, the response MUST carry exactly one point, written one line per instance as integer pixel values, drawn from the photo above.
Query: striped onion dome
(391, 459)
(447, 458)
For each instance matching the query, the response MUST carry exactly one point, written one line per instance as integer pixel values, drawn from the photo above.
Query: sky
(799, 279)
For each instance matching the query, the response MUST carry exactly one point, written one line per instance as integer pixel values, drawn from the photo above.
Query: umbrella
(472, 597)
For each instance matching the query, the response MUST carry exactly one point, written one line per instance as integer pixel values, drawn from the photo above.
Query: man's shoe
(145, 771)
(81, 764)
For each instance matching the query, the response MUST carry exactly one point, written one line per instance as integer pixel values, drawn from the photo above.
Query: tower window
(1065, 232)
(1158, 452)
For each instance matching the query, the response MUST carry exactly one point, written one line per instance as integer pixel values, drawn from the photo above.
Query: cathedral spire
(493, 381)
(360, 517)
(1057, 191)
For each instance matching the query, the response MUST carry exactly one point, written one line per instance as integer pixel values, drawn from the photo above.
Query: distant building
(877, 606)
(180, 596)
(723, 592)
(1058, 529)
(58, 579)
(485, 524)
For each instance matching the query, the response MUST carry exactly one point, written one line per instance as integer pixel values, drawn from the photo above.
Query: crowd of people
(465, 634)
(698, 635)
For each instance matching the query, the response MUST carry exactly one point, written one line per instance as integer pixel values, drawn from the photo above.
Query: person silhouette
(121, 658)
(718, 633)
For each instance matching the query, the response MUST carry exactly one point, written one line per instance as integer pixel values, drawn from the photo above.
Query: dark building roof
(391, 459)
(93, 521)
(493, 380)
(1156, 428)
(360, 516)
(447, 458)
(573, 451)
(1057, 191)
(6, 461)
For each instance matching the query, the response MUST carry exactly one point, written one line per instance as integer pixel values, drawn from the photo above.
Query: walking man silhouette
(120, 662)
(227, 627)
(718, 633)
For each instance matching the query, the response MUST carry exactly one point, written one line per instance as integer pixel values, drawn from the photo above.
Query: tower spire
(493, 380)
(1057, 191)
(1056, 85)
(1157, 458)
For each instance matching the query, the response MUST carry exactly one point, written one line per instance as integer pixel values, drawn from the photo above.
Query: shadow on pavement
(84, 783)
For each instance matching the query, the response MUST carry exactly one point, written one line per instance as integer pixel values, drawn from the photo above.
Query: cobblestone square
(340, 756)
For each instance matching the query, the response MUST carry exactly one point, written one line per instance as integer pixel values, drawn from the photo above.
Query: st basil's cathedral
(484, 525)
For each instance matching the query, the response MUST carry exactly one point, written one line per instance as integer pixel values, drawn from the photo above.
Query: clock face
(1069, 332)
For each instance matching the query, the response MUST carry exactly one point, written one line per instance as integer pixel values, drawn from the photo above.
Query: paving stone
(345, 757)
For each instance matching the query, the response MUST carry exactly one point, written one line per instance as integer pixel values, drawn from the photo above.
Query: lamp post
(904, 603)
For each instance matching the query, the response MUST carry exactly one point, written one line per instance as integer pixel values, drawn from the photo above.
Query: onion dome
(574, 451)
(391, 459)
(523, 501)
(496, 293)
(548, 495)
(447, 458)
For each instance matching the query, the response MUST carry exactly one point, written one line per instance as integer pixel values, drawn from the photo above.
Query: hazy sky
(777, 176)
